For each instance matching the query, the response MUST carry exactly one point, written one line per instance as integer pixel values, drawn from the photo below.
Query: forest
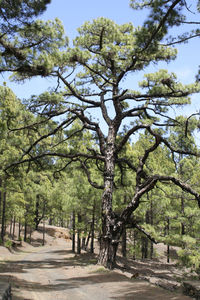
(112, 163)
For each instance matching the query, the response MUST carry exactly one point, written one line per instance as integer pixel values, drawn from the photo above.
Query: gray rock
(192, 289)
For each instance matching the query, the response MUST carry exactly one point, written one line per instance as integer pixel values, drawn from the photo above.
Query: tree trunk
(83, 246)
(11, 222)
(3, 222)
(107, 254)
(183, 214)
(43, 234)
(151, 222)
(25, 229)
(124, 235)
(144, 242)
(124, 242)
(13, 234)
(37, 219)
(134, 244)
(78, 235)
(0, 197)
(19, 231)
(73, 232)
(111, 228)
(92, 229)
(88, 239)
(168, 248)
(30, 234)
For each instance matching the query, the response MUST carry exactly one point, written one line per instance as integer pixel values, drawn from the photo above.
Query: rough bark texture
(107, 255)
(110, 228)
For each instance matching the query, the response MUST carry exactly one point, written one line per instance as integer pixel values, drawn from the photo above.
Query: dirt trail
(53, 272)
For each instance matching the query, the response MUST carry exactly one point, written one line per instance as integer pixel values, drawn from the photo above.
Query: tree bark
(107, 254)
(151, 222)
(144, 242)
(92, 229)
(168, 247)
(124, 242)
(19, 231)
(43, 234)
(78, 235)
(11, 222)
(88, 239)
(3, 222)
(111, 230)
(13, 234)
(37, 219)
(73, 231)
(83, 246)
(25, 229)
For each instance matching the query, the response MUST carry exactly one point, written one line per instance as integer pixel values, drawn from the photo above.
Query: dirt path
(53, 272)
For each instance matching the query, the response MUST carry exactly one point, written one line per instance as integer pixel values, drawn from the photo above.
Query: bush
(190, 258)
(8, 244)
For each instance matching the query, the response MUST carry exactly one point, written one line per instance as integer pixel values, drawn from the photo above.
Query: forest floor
(53, 272)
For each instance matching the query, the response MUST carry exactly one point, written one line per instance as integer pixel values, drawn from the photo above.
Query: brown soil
(53, 272)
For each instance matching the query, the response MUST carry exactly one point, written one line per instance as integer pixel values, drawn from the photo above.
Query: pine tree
(103, 55)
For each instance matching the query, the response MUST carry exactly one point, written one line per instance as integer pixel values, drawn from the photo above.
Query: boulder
(192, 289)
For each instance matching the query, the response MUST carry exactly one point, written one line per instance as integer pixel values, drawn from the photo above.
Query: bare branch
(75, 94)
(87, 172)
(127, 136)
(146, 233)
(187, 122)
(68, 122)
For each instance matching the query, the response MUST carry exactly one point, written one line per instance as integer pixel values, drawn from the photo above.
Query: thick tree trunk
(111, 226)
(109, 241)
(107, 254)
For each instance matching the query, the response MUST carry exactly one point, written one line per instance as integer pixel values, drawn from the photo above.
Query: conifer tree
(93, 72)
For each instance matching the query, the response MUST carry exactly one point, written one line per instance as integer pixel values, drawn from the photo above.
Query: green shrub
(8, 244)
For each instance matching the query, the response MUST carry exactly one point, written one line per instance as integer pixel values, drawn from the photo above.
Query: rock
(5, 291)
(192, 289)
(135, 275)
(168, 284)
(164, 283)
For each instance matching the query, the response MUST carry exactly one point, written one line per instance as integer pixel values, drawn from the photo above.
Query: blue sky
(74, 13)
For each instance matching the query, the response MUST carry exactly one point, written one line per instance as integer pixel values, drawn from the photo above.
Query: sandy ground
(53, 272)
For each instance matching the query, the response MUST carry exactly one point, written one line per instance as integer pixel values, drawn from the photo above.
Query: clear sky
(74, 13)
